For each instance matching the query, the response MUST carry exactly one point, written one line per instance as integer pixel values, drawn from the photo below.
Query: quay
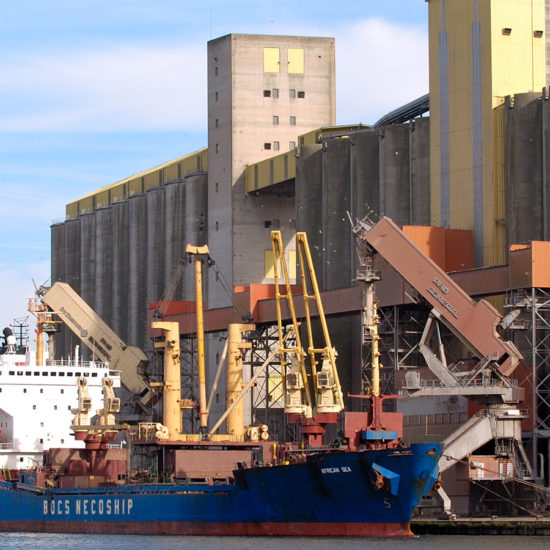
(483, 526)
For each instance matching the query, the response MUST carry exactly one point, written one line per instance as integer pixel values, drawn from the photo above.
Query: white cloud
(123, 88)
(379, 67)
(26, 208)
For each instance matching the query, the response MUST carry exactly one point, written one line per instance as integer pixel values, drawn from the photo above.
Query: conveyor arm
(100, 339)
(473, 323)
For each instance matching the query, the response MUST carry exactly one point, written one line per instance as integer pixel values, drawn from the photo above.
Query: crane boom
(475, 324)
(100, 339)
(326, 397)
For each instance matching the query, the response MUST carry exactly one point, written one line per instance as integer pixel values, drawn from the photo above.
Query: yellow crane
(317, 391)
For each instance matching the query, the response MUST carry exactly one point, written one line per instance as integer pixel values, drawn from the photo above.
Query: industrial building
(472, 177)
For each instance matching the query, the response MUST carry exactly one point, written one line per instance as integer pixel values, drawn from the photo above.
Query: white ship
(36, 403)
(39, 396)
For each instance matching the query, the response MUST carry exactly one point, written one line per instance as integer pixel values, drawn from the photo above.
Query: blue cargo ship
(367, 482)
(337, 493)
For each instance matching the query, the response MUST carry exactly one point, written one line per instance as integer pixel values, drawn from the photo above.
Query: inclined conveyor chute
(475, 324)
(86, 324)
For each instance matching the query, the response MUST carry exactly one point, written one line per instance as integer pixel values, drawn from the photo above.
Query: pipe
(203, 413)
(234, 385)
(40, 339)
(243, 392)
(303, 248)
(217, 378)
(375, 363)
(248, 386)
(171, 407)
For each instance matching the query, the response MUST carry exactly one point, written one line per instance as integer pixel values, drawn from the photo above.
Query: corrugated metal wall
(121, 257)
(137, 271)
(450, 249)
(174, 230)
(103, 282)
(156, 243)
(527, 154)
(196, 224)
(385, 171)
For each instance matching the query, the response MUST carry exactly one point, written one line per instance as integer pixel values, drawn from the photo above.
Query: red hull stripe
(213, 529)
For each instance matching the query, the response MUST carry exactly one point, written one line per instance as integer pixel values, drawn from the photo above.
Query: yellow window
(295, 60)
(272, 60)
(290, 256)
(275, 388)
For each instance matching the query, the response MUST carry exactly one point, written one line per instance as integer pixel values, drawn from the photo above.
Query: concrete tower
(480, 52)
(263, 92)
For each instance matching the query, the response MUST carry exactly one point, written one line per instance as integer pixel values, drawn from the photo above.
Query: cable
(534, 514)
(535, 486)
(226, 287)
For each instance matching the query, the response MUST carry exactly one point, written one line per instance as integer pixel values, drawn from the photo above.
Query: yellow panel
(434, 27)
(262, 170)
(118, 192)
(197, 161)
(102, 199)
(263, 174)
(203, 160)
(498, 255)
(278, 168)
(268, 265)
(170, 173)
(87, 204)
(510, 62)
(275, 388)
(188, 166)
(250, 178)
(291, 165)
(290, 256)
(519, 57)
(272, 60)
(72, 209)
(296, 60)
(151, 180)
(135, 186)
(291, 263)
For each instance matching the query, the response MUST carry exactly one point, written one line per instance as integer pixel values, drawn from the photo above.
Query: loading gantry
(312, 397)
(486, 381)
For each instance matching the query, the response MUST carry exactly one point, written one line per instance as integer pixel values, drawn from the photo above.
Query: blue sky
(93, 91)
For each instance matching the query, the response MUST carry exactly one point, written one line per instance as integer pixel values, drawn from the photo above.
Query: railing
(434, 383)
(500, 412)
(80, 364)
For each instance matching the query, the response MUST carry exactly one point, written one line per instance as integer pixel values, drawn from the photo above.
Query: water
(133, 542)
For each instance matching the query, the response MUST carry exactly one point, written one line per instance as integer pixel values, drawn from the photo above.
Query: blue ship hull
(331, 494)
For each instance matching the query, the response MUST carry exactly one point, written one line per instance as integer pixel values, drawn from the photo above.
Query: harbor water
(120, 542)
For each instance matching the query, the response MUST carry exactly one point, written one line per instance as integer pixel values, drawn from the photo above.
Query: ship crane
(380, 428)
(60, 299)
(173, 403)
(97, 433)
(475, 324)
(311, 398)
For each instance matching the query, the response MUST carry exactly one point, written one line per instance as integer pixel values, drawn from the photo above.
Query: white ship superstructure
(36, 402)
